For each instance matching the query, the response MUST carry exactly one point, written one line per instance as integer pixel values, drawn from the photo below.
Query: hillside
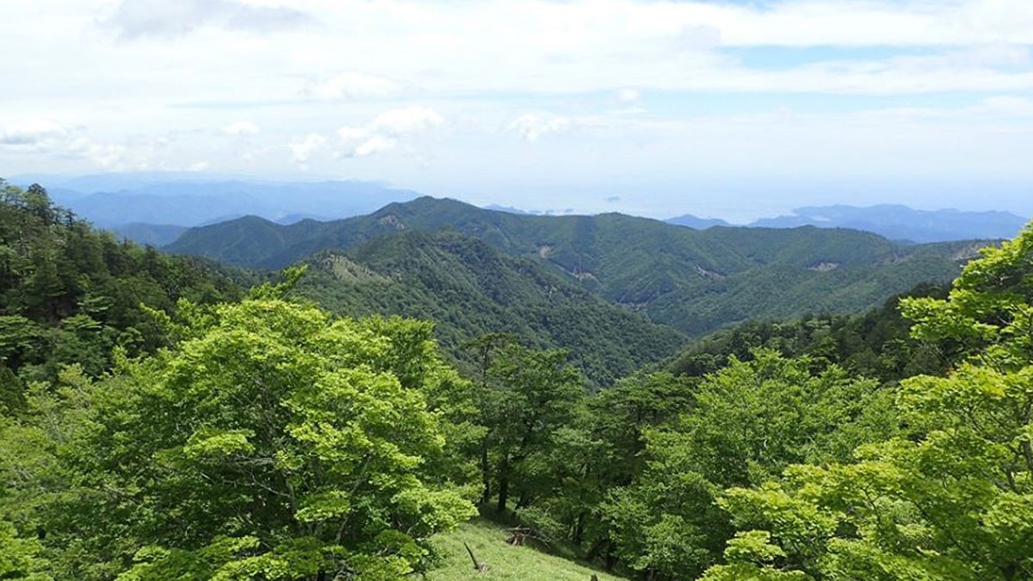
(69, 293)
(693, 280)
(876, 344)
(505, 562)
(468, 289)
(156, 235)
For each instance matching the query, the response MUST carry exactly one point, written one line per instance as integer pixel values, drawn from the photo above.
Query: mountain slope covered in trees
(69, 293)
(259, 438)
(469, 289)
(876, 344)
(694, 281)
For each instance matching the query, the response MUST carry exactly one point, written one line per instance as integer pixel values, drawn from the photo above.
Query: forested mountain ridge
(69, 293)
(876, 344)
(259, 438)
(693, 280)
(469, 288)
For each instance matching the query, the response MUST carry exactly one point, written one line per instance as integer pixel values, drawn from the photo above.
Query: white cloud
(32, 132)
(354, 86)
(386, 130)
(47, 137)
(108, 156)
(375, 144)
(407, 120)
(134, 19)
(534, 125)
(194, 66)
(627, 96)
(241, 129)
(303, 149)
(347, 133)
(1009, 106)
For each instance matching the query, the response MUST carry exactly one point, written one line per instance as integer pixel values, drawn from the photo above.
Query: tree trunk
(503, 485)
(579, 529)
(523, 501)
(485, 476)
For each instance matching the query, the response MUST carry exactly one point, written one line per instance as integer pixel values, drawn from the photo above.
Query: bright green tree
(272, 443)
(952, 498)
(601, 449)
(19, 557)
(526, 396)
(747, 423)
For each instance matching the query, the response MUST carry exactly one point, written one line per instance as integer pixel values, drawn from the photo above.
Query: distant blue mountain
(892, 221)
(509, 210)
(156, 235)
(697, 223)
(898, 222)
(116, 201)
(150, 207)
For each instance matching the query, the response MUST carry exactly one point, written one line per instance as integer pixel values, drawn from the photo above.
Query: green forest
(413, 406)
(693, 281)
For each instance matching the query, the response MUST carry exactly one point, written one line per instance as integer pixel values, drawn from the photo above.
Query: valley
(692, 281)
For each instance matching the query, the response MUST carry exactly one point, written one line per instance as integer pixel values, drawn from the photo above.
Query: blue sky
(731, 109)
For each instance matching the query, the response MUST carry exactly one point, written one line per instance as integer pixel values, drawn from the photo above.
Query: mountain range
(692, 280)
(155, 208)
(893, 221)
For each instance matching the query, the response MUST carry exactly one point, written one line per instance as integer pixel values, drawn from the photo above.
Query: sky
(735, 109)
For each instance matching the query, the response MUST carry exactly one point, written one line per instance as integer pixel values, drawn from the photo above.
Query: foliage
(877, 344)
(952, 497)
(695, 281)
(157, 424)
(19, 557)
(70, 294)
(748, 422)
(271, 443)
(470, 289)
(524, 400)
(602, 448)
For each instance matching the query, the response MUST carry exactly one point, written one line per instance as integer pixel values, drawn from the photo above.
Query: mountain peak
(893, 221)
(695, 280)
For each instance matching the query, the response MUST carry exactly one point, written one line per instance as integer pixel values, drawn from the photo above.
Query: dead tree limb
(479, 567)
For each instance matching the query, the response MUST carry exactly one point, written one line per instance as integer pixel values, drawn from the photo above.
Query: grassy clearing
(505, 562)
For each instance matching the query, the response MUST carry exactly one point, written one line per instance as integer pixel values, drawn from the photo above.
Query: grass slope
(505, 562)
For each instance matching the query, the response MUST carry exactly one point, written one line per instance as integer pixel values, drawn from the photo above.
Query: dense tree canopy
(157, 423)
(69, 294)
(469, 289)
(952, 497)
(271, 443)
(747, 423)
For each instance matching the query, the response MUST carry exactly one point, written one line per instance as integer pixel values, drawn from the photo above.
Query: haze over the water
(736, 109)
